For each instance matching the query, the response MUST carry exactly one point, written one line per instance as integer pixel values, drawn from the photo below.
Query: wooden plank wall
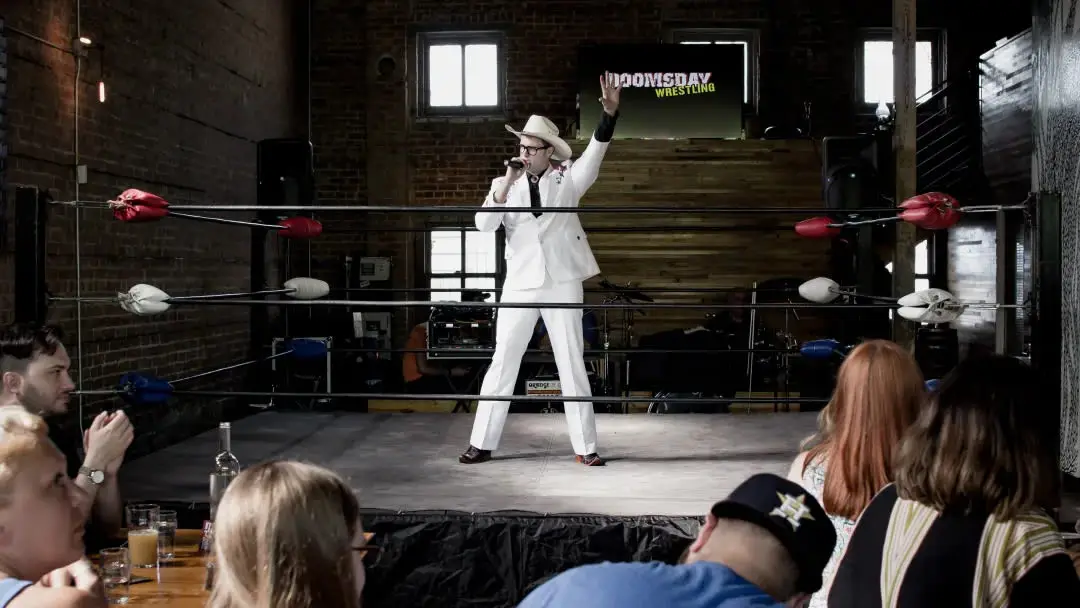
(687, 175)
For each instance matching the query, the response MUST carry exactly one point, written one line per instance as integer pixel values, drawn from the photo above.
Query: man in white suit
(547, 259)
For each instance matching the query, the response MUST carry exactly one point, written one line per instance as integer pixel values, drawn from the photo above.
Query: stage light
(101, 91)
(86, 41)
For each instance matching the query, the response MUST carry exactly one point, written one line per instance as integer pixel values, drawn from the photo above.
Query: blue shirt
(9, 588)
(649, 585)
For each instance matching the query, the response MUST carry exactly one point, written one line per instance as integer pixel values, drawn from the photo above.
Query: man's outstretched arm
(584, 171)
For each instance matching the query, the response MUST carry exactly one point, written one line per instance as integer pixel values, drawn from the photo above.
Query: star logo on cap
(793, 509)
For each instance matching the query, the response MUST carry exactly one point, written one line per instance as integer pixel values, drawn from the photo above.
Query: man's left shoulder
(600, 584)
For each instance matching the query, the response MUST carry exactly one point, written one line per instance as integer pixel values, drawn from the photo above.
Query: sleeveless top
(9, 588)
(813, 479)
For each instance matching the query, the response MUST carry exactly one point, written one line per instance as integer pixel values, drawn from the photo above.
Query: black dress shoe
(590, 460)
(474, 456)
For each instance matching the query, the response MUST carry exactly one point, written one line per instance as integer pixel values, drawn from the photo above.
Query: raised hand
(609, 92)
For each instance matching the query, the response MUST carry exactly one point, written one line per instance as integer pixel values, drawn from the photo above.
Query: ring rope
(589, 351)
(570, 305)
(616, 290)
(461, 397)
(460, 209)
(230, 368)
(221, 299)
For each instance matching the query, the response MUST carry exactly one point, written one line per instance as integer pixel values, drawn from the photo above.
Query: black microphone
(515, 163)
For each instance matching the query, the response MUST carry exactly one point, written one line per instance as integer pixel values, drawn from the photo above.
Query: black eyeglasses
(530, 150)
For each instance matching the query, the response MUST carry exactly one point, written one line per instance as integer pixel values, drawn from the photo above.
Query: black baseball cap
(792, 514)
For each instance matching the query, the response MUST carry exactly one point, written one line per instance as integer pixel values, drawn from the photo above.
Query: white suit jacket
(554, 243)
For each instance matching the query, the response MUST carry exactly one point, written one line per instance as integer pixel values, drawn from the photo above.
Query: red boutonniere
(559, 170)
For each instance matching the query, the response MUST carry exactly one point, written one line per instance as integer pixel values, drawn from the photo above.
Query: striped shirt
(904, 554)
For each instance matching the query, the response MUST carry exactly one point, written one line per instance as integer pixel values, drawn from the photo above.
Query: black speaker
(286, 173)
(849, 172)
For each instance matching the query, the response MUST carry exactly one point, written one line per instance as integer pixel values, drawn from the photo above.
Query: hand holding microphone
(514, 168)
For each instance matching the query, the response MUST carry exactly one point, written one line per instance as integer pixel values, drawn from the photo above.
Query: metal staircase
(948, 138)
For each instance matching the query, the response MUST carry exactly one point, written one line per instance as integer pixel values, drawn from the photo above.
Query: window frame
(935, 36)
(462, 276)
(428, 38)
(750, 36)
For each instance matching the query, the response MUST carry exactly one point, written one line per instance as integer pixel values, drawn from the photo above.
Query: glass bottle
(226, 468)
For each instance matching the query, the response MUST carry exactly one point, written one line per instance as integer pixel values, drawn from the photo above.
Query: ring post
(1046, 340)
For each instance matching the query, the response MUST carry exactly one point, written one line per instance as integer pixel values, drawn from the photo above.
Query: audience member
(34, 368)
(964, 524)
(41, 522)
(288, 535)
(422, 375)
(763, 547)
(825, 427)
(879, 392)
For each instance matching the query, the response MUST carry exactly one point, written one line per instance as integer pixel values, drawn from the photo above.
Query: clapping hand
(106, 441)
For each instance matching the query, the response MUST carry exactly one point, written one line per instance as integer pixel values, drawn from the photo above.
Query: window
(922, 267)
(460, 259)
(461, 73)
(747, 39)
(876, 66)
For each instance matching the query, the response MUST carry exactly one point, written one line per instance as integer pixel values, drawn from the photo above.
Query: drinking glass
(166, 534)
(116, 574)
(143, 534)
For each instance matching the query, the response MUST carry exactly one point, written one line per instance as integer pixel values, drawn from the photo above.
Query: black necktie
(534, 195)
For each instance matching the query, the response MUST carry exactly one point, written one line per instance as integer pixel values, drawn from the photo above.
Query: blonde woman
(41, 521)
(288, 535)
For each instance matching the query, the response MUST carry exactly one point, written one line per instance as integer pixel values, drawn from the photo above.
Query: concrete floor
(657, 464)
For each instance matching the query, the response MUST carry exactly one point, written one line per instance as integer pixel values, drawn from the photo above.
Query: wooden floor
(657, 464)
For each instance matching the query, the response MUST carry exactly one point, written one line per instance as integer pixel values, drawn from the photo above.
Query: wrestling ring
(493, 531)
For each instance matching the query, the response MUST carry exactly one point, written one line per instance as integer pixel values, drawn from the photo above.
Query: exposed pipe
(79, 367)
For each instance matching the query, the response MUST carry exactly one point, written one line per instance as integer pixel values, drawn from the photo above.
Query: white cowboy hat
(545, 130)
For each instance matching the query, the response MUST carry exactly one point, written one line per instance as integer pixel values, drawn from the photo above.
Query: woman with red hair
(879, 393)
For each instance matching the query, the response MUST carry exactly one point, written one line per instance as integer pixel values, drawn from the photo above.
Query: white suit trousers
(513, 331)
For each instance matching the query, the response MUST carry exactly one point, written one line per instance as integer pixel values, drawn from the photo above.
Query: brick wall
(191, 86)
(339, 119)
(807, 54)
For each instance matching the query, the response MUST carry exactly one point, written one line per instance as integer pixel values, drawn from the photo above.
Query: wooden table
(179, 582)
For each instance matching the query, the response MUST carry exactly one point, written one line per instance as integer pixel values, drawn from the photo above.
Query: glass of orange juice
(143, 521)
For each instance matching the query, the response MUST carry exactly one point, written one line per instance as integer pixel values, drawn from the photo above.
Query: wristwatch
(95, 476)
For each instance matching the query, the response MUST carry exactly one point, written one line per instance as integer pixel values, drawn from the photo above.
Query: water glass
(142, 520)
(166, 534)
(116, 574)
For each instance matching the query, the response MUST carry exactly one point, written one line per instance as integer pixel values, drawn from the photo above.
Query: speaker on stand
(851, 182)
